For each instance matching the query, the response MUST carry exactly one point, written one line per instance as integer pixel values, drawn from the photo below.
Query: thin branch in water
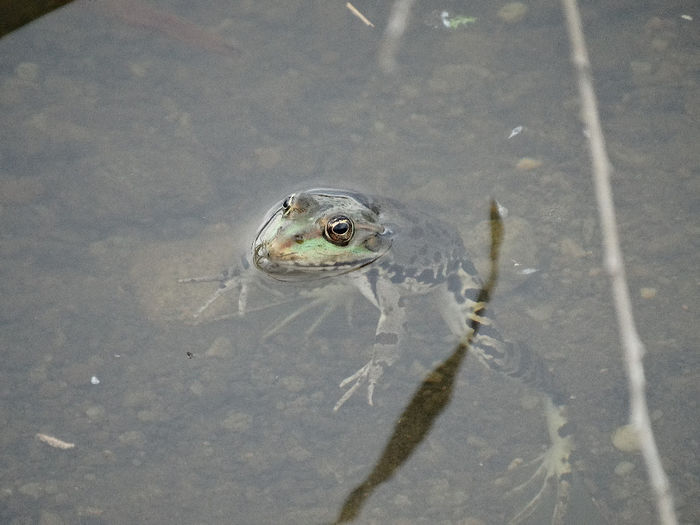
(358, 14)
(395, 28)
(631, 343)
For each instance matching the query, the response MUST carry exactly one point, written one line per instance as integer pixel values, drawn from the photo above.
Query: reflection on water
(130, 160)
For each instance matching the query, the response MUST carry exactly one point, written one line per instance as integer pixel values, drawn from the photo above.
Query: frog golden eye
(339, 230)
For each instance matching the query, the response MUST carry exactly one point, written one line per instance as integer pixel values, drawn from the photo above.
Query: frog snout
(260, 252)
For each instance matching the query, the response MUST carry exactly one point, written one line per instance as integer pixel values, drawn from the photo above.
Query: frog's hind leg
(520, 362)
(554, 469)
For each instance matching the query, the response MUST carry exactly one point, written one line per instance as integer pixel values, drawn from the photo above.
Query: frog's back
(424, 250)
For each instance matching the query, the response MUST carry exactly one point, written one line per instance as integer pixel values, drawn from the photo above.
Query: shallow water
(131, 159)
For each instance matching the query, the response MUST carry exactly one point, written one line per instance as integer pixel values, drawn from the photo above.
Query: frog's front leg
(228, 280)
(237, 277)
(385, 296)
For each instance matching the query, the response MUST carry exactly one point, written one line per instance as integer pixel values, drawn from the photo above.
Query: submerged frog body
(389, 251)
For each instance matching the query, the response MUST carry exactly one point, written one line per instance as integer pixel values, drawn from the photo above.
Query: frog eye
(339, 230)
(287, 203)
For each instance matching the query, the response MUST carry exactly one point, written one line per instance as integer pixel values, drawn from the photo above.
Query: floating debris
(502, 210)
(523, 271)
(94, 380)
(55, 442)
(453, 22)
(359, 15)
(517, 130)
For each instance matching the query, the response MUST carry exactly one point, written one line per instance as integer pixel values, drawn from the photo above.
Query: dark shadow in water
(430, 399)
(15, 13)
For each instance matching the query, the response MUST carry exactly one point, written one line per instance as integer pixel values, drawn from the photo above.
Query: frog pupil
(340, 228)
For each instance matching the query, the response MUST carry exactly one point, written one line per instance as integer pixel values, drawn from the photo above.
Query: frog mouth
(293, 269)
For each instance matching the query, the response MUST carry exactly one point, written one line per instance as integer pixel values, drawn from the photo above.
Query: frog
(388, 250)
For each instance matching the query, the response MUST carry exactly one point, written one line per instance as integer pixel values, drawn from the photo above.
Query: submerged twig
(54, 441)
(395, 28)
(631, 343)
(358, 14)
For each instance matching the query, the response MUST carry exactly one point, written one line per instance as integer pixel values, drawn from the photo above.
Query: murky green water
(129, 159)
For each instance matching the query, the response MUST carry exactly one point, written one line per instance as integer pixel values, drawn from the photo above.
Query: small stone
(28, 71)
(512, 12)
(515, 463)
(625, 439)
(624, 467)
(528, 164)
(647, 293)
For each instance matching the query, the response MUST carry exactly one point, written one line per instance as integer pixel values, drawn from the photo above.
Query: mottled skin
(383, 251)
(390, 251)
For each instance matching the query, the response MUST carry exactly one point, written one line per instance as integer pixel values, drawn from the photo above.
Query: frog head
(320, 233)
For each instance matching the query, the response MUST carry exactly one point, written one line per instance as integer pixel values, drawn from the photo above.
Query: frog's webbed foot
(227, 281)
(368, 374)
(384, 354)
(385, 296)
(554, 469)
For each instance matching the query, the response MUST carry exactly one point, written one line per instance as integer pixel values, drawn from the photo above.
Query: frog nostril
(260, 252)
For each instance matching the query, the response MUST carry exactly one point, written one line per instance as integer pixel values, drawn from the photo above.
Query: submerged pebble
(512, 12)
(625, 439)
(624, 467)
